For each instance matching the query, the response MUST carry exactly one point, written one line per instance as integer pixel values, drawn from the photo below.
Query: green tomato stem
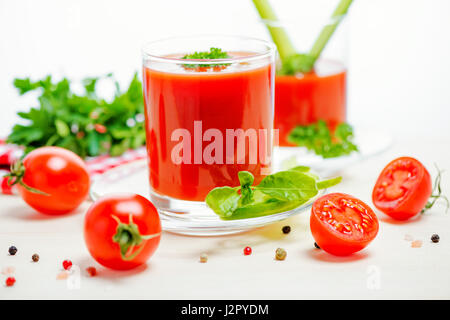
(17, 172)
(127, 236)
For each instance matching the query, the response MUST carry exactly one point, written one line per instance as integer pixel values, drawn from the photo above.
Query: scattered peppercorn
(67, 264)
(35, 257)
(286, 229)
(10, 281)
(92, 271)
(12, 250)
(435, 238)
(203, 258)
(247, 251)
(280, 254)
(316, 245)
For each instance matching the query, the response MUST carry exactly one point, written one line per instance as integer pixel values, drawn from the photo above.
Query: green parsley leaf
(318, 138)
(213, 53)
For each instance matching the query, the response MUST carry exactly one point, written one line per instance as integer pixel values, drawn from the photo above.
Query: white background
(399, 60)
(399, 53)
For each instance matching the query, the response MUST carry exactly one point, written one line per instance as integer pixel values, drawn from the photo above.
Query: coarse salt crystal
(8, 270)
(62, 275)
(416, 244)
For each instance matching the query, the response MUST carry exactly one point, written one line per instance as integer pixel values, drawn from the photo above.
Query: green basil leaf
(324, 184)
(289, 186)
(223, 201)
(246, 180)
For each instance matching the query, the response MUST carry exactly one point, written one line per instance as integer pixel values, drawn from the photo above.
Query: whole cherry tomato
(51, 180)
(342, 224)
(122, 231)
(402, 189)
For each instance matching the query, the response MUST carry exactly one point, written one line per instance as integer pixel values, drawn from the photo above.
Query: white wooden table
(388, 268)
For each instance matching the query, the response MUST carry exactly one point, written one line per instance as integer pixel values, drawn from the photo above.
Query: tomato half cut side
(402, 189)
(342, 224)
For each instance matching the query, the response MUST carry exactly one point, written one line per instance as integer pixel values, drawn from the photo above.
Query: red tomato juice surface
(224, 99)
(306, 98)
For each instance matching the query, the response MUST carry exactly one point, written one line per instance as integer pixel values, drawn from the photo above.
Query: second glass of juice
(321, 94)
(206, 120)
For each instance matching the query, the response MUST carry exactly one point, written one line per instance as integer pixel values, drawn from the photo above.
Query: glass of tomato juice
(321, 94)
(206, 119)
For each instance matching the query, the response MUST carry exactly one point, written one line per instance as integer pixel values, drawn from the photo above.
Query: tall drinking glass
(321, 94)
(206, 120)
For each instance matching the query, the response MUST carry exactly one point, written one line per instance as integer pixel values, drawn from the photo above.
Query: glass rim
(280, 23)
(269, 51)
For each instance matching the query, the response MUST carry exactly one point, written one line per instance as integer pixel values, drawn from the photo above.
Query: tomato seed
(12, 250)
(435, 238)
(10, 281)
(67, 264)
(247, 251)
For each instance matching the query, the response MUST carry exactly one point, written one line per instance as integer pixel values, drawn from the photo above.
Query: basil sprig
(278, 192)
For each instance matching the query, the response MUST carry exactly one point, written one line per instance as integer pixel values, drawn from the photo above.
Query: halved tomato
(402, 189)
(342, 224)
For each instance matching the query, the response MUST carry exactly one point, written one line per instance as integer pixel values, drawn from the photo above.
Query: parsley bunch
(85, 124)
(317, 137)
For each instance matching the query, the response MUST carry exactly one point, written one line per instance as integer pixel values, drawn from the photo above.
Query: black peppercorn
(316, 245)
(435, 238)
(12, 250)
(286, 229)
(35, 257)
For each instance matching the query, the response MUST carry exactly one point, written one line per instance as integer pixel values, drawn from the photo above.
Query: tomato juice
(306, 98)
(193, 102)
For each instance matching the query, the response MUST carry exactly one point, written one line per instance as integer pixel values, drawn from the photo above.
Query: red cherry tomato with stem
(51, 180)
(122, 231)
(342, 224)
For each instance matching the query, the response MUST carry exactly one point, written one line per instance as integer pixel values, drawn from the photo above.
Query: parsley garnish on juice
(213, 53)
(83, 123)
(317, 137)
(278, 192)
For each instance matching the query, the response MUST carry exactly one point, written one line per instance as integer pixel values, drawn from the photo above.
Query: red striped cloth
(96, 165)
